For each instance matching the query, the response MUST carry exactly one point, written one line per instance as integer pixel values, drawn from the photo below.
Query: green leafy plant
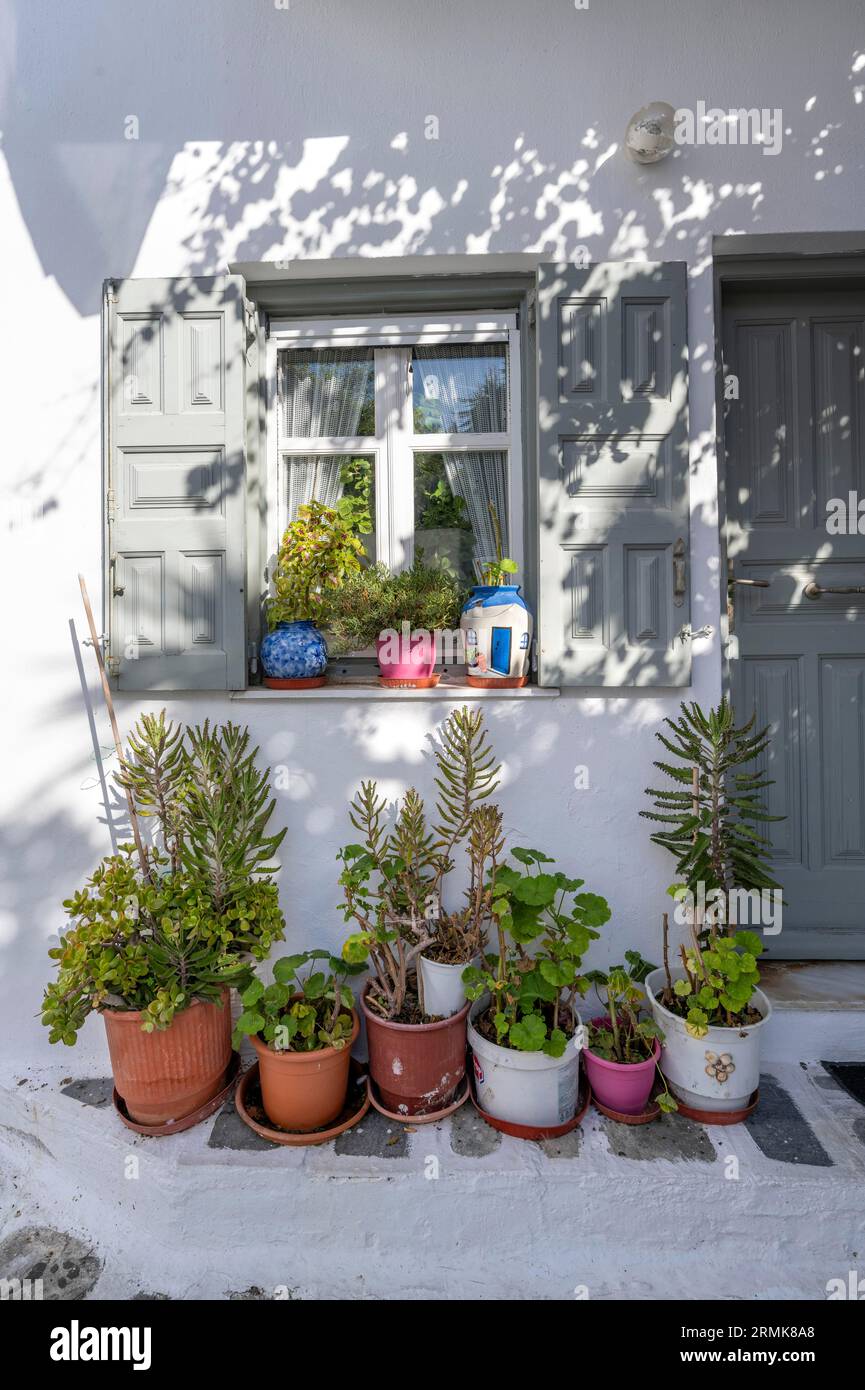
(317, 553)
(710, 819)
(533, 994)
(718, 984)
(355, 506)
(183, 920)
(300, 1012)
(500, 570)
(371, 602)
(626, 1035)
(392, 880)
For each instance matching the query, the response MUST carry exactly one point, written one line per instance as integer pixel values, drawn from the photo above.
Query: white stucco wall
(267, 133)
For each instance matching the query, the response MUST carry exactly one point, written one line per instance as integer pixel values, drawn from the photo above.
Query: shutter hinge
(112, 665)
(110, 505)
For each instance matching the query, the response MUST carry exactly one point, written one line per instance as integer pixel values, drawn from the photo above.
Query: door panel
(794, 441)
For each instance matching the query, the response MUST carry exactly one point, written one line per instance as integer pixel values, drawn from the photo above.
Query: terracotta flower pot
(416, 1067)
(302, 1091)
(165, 1075)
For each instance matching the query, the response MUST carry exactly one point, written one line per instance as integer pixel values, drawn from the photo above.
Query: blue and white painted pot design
(498, 635)
(294, 652)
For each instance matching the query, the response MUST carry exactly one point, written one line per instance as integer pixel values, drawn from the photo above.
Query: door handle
(752, 583)
(814, 590)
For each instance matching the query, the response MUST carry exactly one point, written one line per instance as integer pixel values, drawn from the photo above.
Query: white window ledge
(368, 688)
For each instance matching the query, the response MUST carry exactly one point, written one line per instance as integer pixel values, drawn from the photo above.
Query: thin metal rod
(106, 691)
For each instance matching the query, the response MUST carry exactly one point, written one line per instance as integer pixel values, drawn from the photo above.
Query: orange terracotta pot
(303, 1091)
(165, 1075)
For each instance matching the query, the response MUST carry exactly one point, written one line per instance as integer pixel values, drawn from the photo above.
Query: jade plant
(318, 552)
(182, 917)
(710, 818)
(393, 879)
(426, 597)
(300, 1012)
(626, 1035)
(533, 993)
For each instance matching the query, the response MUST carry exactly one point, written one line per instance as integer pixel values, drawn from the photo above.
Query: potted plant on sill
(318, 552)
(497, 624)
(398, 614)
(524, 1026)
(303, 1027)
(159, 936)
(709, 1005)
(392, 883)
(622, 1046)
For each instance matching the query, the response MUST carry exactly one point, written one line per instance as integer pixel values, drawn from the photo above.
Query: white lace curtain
(481, 478)
(461, 389)
(321, 394)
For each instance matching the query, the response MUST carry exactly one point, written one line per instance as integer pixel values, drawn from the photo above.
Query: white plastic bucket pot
(443, 990)
(525, 1088)
(720, 1071)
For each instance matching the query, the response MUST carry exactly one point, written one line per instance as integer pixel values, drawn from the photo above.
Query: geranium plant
(182, 919)
(625, 1035)
(317, 553)
(533, 992)
(301, 1010)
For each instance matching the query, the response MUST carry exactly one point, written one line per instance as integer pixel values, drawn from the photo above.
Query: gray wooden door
(795, 442)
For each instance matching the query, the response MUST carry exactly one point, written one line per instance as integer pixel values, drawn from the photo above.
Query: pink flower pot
(624, 1088)
(416, 656)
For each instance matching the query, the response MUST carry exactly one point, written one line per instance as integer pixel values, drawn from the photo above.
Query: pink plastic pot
(620, 1087)
(417, 656)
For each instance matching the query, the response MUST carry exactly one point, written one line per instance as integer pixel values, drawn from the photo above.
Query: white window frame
(395, 442)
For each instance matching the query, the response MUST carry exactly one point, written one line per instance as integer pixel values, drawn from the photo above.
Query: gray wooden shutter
(175, 474)
(613, 475)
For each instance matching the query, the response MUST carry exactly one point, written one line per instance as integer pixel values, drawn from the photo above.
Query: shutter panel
(613, 475)
(175, 464)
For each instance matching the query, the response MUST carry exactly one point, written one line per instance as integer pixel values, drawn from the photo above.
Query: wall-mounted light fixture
(649, 137)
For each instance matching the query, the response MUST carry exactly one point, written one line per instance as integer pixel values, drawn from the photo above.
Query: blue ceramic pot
(294, 651)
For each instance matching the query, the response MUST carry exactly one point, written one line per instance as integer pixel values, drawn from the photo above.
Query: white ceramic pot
(443, 990)
(497, 627)
(525, 1088)
(718, 1072)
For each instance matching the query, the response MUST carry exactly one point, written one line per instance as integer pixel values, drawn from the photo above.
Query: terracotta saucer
(536, 1132)
(248, 1093)
(650, 1112)
(461, 1098)
(719, 1117)
(497, 683)
(187, 1121)
(420, 683)
(296, 683)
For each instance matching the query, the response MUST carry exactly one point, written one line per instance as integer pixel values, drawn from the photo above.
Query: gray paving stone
(780, 1130)
(374, 1137)
(472, 1137)
(67, 1267)
(670, 1137)
(229, 1132)
(568, 1146)
(91, 1090)
(859, 1129)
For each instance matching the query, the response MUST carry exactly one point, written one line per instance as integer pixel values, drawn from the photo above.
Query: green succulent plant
(185, 919)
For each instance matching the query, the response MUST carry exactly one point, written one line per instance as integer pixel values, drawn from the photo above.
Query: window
(415, 424)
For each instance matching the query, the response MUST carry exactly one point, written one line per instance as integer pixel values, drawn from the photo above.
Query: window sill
(368, 688)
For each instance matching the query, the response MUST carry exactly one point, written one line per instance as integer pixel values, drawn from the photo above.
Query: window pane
(326, 392)
(462, 389)
(343, 481)
(453, 522)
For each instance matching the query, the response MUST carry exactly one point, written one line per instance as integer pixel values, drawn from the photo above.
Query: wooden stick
(666, 921)
(106, 691)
